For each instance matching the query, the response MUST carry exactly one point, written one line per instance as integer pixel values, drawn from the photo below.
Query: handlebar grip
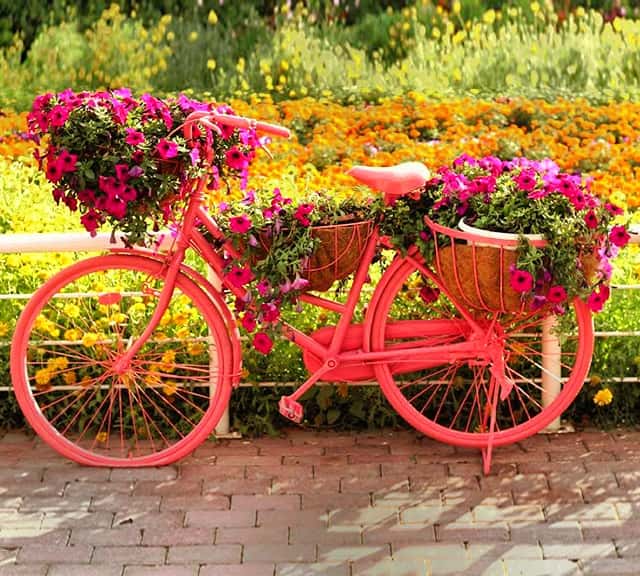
(242, 122)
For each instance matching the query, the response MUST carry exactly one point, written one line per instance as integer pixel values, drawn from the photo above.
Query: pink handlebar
(211, 118)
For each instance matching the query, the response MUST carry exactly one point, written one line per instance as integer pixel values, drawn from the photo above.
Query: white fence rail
(82, 242)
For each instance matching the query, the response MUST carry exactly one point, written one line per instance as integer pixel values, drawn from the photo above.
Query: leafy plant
(124, 161)
(275, 239)
(522, 197)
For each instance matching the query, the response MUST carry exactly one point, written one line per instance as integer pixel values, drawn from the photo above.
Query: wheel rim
(151, 412)
(452, 402)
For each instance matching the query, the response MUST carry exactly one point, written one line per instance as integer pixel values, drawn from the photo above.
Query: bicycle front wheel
(453, 401)
(66, 378)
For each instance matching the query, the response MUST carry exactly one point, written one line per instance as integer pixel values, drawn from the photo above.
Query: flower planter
(475, 268)
(338, 254)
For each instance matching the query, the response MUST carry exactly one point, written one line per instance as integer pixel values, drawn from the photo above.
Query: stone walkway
(328, 504)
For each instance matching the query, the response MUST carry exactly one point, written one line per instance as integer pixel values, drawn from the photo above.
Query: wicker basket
(338, 254)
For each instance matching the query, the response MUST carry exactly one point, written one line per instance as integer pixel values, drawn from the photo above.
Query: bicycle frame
(335, 358)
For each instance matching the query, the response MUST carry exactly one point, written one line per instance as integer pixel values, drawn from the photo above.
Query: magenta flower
(526, 180)
(67, 161)
(262, 343)
(591, 220)
(166, 149)
(249, 321)
(429, 294)
(302, 212)
(270, 312)
(556, 294)
(619, 236)
(521, 280)
(122, 172)
(598, 298)
(134, 137)
(58, 115)
(236, 159)
(91, 221)
(240, 224)
(239, 276)
(54, 171)
(263, 287)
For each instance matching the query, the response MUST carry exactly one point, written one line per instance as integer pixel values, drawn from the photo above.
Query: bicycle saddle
(393, 181)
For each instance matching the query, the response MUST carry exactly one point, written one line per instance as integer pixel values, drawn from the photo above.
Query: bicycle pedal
(291, 409)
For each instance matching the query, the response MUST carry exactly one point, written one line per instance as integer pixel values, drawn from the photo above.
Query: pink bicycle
(129, 358)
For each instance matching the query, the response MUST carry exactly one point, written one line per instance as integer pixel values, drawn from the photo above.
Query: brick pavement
(387, 503)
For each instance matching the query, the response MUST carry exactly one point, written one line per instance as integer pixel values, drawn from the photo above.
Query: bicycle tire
(62, 364)
(451, 402)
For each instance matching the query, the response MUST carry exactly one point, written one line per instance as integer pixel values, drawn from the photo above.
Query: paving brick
(313, 569)
(303, 486)
(583, 550)
(54, 504)
(431, 551)
(119, 536)
(239, 486)
(167, 520)
(568, 531)
(265, 502)
(77, 474)
(310, 518)
(483, 513)
(24, 570)
(161, 570)
(243, 535)
(85, 570)
(435, 513)
(610, 567)
(205, 554)
(214, 518)
(503, 550)
(529, 567)
(204, 472)
(149, 555)
(16, 537)
(253, 569)
(98, 489)
(341, 471)
(278, 472)
(344, 535)
(177, 536)
(164, 474)
(68, 519)
(595, 511)
(352, 552)
(610, 529)
(397, 534)
(472, 532)
(390, 566)
(335, 501)
(51, 554)
(279, 553)
(248, 460)
(361, 516)
(126, 503)
(188, 502)
(179, 487)
(315, 460)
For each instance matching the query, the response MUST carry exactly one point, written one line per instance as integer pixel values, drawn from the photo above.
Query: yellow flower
(72, 334)
(101, 437)
(71, 310)
(603, 397)
(595, 380)
(213, 18)
(193, 36)
(69, 378)
(211, 64)
(57, 364)
(170, 388)
(4, 329)
(43, 377)
(455, 8)
(195, 348)
(489, 17)
(89, 339)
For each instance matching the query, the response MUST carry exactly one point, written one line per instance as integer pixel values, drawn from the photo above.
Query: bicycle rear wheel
(63, 356)
(453, 402)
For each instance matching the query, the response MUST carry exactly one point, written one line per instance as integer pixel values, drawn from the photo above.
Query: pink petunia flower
(239, 276)
(262, 343)
(249, 321)
(521, 280)
(134, 137)
(526, 180)
(54, 171)
(240, 224)
(67, 161)
(58, 115)
(591, 220)
(166, 149)
(91, 221)
(598, 298)
(619, 236)
(236, 159)
(556, 294)
(429, 294)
